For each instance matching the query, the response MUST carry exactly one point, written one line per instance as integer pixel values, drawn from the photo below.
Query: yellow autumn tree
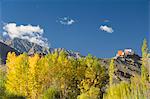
(94, 78)
(61, 72)
(55, 74)
(33, 74)
(38, 76)
(17, 77)
(27, 76)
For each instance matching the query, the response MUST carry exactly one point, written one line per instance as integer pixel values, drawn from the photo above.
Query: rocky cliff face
(22, 45)
(25, 46)
(125, 67)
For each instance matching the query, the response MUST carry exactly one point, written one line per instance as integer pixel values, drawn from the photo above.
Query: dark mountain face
(4, 49)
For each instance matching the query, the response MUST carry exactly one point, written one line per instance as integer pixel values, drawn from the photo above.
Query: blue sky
(129, 20)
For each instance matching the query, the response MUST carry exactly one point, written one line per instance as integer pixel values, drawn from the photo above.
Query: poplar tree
(16, 78)
(144, 67)
(111, 72)
(94, 78)
(55, 74)
(149, 65)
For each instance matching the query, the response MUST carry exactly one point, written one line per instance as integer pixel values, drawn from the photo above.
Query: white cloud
(31, 33)
(106, 28)
(66, 21)
(106, 21)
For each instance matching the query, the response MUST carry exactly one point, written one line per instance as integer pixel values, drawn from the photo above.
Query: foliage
(35, 76)
(16, 82)
(118, 91)
(139, 89)
(2, 84)
(51, 93)
(144, 48)
(136, 89)
(144, 67)
(111, 72)
(92, 93)
(94, 76)
(3, 93)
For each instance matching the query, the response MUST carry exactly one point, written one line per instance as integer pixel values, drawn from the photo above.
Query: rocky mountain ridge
(125, 67)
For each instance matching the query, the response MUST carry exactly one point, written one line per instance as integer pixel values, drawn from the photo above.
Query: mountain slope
(4, 49)
(125, 67)
(23, 45)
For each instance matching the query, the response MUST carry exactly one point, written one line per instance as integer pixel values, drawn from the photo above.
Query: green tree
(62, 73)
(111, 71)
(118, 91)
(149, 65)
(139, 89)
(51, 93)
(135, 89)
(94, 76)
(2, 83)
(144, 67)
(92, 93)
